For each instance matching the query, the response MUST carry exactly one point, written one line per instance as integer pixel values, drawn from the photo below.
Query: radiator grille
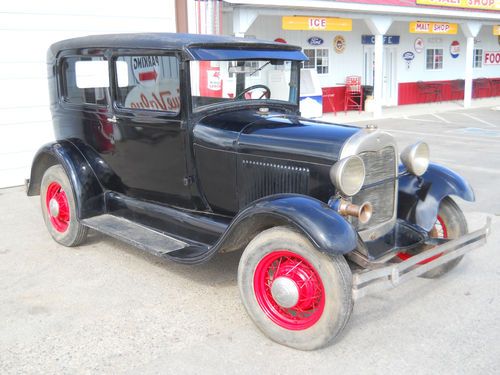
(379, 186)
(259, 179)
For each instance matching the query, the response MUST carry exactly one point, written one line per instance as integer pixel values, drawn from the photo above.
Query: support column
(469, 56)
(378, 25)
(378, 79)
(470, 30)
(242, 20)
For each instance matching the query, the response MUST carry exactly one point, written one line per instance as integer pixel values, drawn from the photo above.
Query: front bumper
(391, 275)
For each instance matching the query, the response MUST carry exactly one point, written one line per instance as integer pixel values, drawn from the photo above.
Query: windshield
(243, 80)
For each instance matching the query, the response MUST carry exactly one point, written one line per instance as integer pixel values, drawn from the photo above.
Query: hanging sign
(315, 41)
(418, 27)
(455, 49)
(418, 45)
(467, 4)
(492, 58)
(388, 39)
(316, 23)
(496, 30)
(408, 56)
(339, 43)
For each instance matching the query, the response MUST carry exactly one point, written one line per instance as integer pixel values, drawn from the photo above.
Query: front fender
(327, 230)
(87, 191)
(419, 197)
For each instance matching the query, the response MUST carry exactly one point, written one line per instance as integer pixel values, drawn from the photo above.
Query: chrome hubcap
(53, 208)
(285, 292)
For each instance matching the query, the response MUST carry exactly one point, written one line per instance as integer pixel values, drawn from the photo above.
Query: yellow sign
(316, 23)
(496, 30)
(433, 28)
(467, 4)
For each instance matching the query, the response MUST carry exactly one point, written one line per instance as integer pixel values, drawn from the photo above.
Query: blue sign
(408, 56)
(388, 39)
(315, 41)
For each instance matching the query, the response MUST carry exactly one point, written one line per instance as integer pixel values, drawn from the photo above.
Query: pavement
(106, 307)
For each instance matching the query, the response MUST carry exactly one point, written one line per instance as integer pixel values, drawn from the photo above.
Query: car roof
(167, 41)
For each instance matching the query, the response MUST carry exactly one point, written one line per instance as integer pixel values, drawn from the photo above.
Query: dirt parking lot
(105, 307)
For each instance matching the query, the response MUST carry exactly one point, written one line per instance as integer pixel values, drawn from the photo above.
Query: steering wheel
(266, 93)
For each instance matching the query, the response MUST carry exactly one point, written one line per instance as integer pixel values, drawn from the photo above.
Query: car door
(148, 135)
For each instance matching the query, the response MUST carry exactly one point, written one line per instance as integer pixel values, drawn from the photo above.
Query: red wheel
(450, 223)
(295, 294)
(289, 290)
(59, 208)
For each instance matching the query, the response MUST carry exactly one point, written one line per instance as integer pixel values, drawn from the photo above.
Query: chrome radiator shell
(378, 150)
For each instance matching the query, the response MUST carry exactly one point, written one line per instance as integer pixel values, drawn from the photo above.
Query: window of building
(318, 59)
(434, 58)
(148, 82)
(478, 58)
(85, 80)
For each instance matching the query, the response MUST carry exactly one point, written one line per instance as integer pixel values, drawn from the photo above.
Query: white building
(433, 50)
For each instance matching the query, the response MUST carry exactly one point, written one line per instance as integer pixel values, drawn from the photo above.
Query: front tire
(59, 208)
(296, 295)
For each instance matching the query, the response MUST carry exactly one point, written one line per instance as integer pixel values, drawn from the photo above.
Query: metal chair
(353, 93)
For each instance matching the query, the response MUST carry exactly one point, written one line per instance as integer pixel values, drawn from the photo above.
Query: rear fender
(87, 191)
(419, 197)
(327, 230)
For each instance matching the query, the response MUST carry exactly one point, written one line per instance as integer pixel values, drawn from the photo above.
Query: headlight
(348, 175)
(416, 158)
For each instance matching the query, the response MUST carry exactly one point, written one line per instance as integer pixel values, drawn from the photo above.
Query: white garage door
(27, 29)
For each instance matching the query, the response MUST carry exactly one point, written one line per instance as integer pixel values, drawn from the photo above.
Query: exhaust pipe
(363, 212)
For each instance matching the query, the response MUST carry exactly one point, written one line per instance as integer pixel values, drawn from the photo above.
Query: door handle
(112, 119)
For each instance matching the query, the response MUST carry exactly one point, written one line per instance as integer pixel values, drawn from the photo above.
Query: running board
(147, 239)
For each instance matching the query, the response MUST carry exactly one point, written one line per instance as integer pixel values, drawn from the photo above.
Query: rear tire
(59, 208)
(296, 295)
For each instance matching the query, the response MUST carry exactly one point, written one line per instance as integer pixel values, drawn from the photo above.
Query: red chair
(353, 93)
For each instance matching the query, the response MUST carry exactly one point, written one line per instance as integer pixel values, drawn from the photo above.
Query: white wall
(351, 61)
(27, 29)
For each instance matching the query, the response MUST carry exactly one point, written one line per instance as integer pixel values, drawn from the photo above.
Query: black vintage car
(189, 145)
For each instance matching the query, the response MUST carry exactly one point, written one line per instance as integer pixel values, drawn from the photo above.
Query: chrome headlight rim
(416, 158)
(348, 175)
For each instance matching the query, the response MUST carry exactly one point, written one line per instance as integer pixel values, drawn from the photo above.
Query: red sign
(492, 58)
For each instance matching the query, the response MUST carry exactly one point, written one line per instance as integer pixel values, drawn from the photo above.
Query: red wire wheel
(289, 290)
(439, 230)
(57, 207)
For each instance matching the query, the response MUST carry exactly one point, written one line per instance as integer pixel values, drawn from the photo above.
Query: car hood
(274, 134)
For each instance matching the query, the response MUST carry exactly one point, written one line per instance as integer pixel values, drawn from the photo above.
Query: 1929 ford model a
(189, 145)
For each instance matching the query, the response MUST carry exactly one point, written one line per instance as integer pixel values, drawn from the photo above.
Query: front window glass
(148, 82)
(318, 59)
(434, 59)
(478, 58)
(243, 80)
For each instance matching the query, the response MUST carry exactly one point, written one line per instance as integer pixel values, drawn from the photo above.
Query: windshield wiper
(259, 69)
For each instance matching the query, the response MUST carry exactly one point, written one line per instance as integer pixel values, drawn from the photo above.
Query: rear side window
(148, 82)
(85, 80)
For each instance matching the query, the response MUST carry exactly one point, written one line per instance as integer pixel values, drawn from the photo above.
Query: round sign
(408, 56)
(455, 49)
(315, 41)
(339, 43)
(419, 45)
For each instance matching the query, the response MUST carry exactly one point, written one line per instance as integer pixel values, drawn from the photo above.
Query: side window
(318, 58)
(478, 58)
(434, 59)
(85, 80)
(148, 82)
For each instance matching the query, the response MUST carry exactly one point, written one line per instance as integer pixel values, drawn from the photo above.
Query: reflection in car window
(85, 80)
(148, 82)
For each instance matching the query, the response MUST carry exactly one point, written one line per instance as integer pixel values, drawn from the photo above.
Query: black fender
(327, 230)
(419, 197)
(87, 191)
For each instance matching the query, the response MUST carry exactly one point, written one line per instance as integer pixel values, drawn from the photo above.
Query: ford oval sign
(315, 41)
(408, 56)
